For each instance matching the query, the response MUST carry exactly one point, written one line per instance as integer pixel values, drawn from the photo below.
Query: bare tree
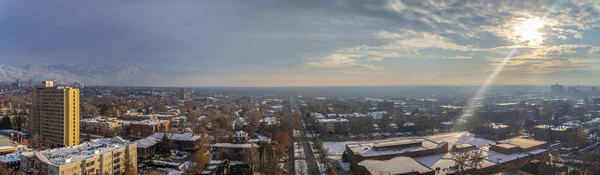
(201, 157)
(331, 170)
(476, 158)
(253, 156)
(4, 170)
(301, 167)
(35, 141)
(323, 155)
(461, 160)
(20, 121)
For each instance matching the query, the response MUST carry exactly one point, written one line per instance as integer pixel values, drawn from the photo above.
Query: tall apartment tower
(55, 115)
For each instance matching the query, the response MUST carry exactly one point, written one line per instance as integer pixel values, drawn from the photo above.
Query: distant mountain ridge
(89, 74)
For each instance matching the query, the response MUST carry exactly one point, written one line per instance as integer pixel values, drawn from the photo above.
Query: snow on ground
(312, 135)
(312, 146)
(336, 148)
(322, 168)
(301, 167)
(299, 151)
(296, 133)
(344, 165)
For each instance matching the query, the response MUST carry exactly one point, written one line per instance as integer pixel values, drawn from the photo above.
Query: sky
(312, 42)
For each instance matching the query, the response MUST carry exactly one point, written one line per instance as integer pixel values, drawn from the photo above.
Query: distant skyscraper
(55, 115)
(78, 85)
(556, 88)
(184, 94)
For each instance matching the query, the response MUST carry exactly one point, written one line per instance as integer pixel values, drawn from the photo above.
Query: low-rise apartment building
(101, 126)
(332, 126)
(146, 147)
(184, 142)
(102, 156)
(554, 133)
(145, 128)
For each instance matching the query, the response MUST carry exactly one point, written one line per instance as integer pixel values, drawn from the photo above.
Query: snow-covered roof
(233, 145)
(276, 107)
(12, 157)
(270, 120)
(408, 166)
(180, 118)
(67, 155)
(12, 147)
(10, 131)
(178, 137)
(149, 122)
(574, 123)
(444, 161)
(146, 142)
(317, 115)
(369, 149)
(332, 120)
(241, 134)
(497, 125)
(593, 121)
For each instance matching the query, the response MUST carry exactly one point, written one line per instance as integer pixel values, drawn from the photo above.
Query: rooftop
(147, 142)
(100, 120)
(408, 165)
(232, 145)
(66, 155)
(464, 145)
(333, 120)
(497, 126)
(523, 143)
(443, 161)
(12, 157)
(7, 132)
(178, 137)
(553, 128)
(506, 146)
(368, 149)
(149, 122)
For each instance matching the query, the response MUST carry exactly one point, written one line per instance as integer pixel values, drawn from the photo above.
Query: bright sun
(528, 31)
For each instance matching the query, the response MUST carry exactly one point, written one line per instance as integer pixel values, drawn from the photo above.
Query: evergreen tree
(5, 123)
(129, 170)
(164, 147)
(103, 109)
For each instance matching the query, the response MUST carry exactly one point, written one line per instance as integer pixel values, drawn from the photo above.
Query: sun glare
(529, 33)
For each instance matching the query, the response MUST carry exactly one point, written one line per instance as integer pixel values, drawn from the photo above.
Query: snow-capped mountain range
(89, 74)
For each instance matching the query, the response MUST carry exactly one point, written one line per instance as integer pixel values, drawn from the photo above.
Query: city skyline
(312, 43)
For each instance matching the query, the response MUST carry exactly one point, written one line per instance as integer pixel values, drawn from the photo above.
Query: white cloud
(375, 59)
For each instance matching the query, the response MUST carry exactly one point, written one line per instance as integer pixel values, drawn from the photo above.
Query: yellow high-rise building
(55, 115)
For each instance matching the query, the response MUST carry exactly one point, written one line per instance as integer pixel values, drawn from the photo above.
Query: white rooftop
(12, 157)
(66, 155)
(147, 142)
(149, 122)
(332, 120)
(232, 145)
(178, 137)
